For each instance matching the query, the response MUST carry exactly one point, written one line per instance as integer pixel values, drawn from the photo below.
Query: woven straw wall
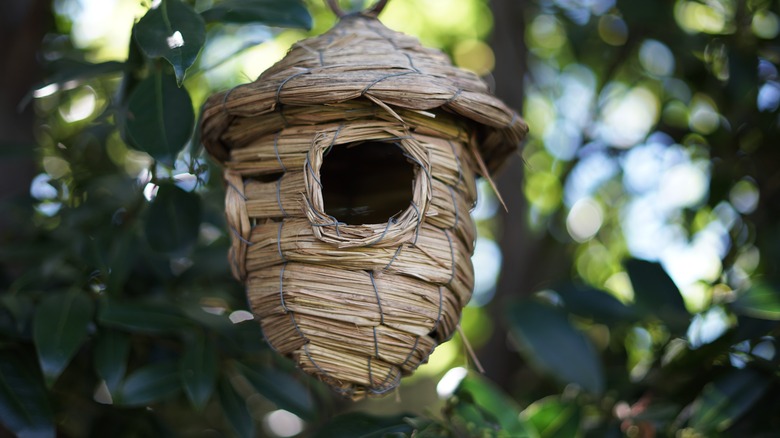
(357, 305)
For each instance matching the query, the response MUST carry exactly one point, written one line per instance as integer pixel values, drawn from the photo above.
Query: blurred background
(631, 289)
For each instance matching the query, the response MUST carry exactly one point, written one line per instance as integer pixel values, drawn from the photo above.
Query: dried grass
(357, 305)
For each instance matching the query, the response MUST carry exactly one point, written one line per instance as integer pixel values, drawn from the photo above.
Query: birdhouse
(350, 169)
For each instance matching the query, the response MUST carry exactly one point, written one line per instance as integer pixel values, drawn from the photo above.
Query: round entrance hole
(366, 183)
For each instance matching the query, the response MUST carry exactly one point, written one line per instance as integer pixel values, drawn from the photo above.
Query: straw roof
(361, 58)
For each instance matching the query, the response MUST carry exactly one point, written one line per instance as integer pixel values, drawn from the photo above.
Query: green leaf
(723, 401)
(174, 31)
(361, 425)
(551, 417)
(495, 401)
(67, 70)
(217, 323)
(59, 328)
(656, 294)
(280, 388)
(760, 301)
(122, 257)
(245, 338)
(235, 410)
(111, 352)
(283, 13)
(174, 219)
(159, 117)
(150, 384)
(199, 370)
(463, 416)
(21, 309)
(550, 342)
(595, 304)
(148, 317)
(24, 407)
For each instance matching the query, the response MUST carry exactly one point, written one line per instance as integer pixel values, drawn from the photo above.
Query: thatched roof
(361, 58)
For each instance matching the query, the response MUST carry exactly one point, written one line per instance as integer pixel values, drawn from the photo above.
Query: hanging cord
(371, 12)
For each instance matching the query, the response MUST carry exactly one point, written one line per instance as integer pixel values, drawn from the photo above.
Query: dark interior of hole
(366, 183)
(268, 177)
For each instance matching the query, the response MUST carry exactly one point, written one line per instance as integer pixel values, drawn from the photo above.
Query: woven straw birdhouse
(350, 168)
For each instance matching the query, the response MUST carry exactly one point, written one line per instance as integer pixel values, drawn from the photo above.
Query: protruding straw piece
(371, 12)
(470, 350)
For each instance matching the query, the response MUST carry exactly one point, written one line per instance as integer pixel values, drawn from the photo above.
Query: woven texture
(357, 305)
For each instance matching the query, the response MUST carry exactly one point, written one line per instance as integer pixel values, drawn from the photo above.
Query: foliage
(118, 315)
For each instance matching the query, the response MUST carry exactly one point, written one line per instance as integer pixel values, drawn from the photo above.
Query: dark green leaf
(8, 327)
(596, 304)
(174, 219)
(218, 323)
(174, 31)
(235, 410)
(24, 408)
(723, 401)
(150, 384)
(111, 352)
(67, 70)
(283, 13)
(557, 348)
(20, 309)
(121, 259)
(149, 317)
(464, 417)
(495, 401)
(59, 328)
(551, 417)
(280, 388)
(760, 301)
(752, 328)
(246, 337)
(199, 370)
(361, 425)
(656, 294)
(159, 118)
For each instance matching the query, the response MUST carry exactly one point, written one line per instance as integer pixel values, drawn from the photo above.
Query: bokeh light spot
(768, 99)
(613, 30)
(283, 423)
(562, 139)
(487, 265)
(676, 114)
(474, 55)
(41, 189)
(744, 196)
(450, 382)
(656, 58)
(698, 17)
(584, 220)
(628, 115)
(56, 167)
(704, 117)
(81, 105)
(707, 327)
(765, 25)
(683, 185)
(543, 190)
(546, 34)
